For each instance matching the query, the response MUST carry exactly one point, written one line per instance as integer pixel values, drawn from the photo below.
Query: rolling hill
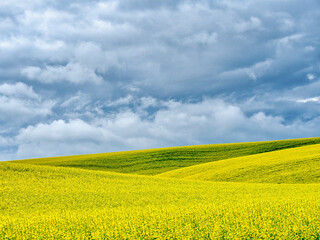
(295, 165)
(221, 191)
(45, 202)
(156, 161)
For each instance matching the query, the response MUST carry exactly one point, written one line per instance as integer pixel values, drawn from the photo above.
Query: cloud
(252, 24)
(314, 99)
(121, 101)
(72, 72)
(18, 90)
(308, 90)
(200, 38)
(254, 72)
(310, 76)
(19, 104)
(136, 72)
(5, 141)
(16, 49)
(58, 137)
(75, 130)
(130, 43)
(17, 110)
(258, 69)
(146, 102)
(208, 121)
(76, 102)
(89, 61)
(91, 55)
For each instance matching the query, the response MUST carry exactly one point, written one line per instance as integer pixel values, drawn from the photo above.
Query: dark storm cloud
(245, 70)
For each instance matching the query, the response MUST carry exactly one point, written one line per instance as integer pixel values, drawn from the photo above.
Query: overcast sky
(101, 76)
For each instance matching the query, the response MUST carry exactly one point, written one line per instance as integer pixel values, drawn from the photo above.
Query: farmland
(156, 161)
(212, 192)
(297, 165)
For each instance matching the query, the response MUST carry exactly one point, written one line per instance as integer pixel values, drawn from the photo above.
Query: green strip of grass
(295, 165)
(156, 161)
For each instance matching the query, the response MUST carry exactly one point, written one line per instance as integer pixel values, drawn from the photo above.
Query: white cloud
(14, 42)
(146, 102)
(159, 50)
(76, 102)
(58, 137)
(18, 90)
(254, 72)
(19, 103)
(41, 21)
(15, 110)
(74, 130)
(258, 69)
(287, 43)
(314, 99)
(52, 46)
(121, 101)
(17, 48)
(310, 76)
(72, 72)
(91, 55)
(209, 121)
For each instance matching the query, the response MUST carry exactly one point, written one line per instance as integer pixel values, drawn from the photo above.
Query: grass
(71, 198)
(156, 161)
(296, 165)
(41, 202)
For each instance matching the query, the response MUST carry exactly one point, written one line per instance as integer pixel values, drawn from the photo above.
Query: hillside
(156, 161)
(45, 202)
(295, 165)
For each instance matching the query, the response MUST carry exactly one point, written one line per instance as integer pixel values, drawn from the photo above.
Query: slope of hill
(295, 165)
(45, 202)
(156, 161)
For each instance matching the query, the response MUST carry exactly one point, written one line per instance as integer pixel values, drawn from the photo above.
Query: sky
(80, 77)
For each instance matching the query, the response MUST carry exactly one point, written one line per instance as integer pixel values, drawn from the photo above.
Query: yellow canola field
(295, 165)
(43, 202)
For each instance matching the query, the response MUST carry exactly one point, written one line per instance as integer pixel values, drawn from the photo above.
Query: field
(297, 165)
(156, 161)
(227, 191)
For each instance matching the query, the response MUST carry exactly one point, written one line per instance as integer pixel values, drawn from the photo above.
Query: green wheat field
(261, 190)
